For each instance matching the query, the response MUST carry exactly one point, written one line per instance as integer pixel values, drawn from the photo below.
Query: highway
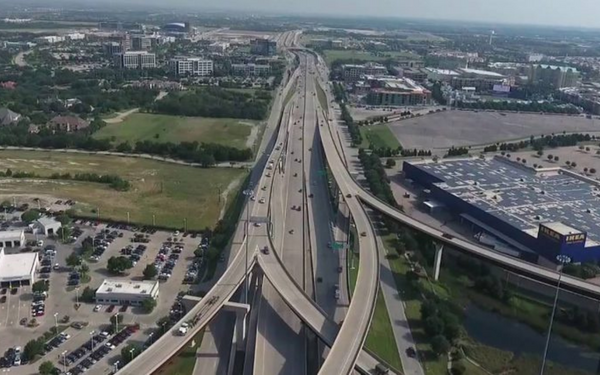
(331, 145)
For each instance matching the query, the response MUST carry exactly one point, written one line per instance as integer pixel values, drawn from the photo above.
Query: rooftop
(47, 221)
(521, 197)
(561, 68)
(10, 234)
(17, 266)
(480, 72)
(447, 72)
(127, 287)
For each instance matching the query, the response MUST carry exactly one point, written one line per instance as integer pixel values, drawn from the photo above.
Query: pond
(495, 330)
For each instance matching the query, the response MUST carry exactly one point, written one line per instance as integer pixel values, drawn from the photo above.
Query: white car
(262, 200)
(253, 198)
(97, 308)
(40, 243)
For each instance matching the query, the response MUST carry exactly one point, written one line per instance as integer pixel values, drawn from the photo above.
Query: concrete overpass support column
(240, 329)
(437, 261)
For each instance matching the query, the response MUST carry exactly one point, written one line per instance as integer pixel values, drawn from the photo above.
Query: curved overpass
(533, 271)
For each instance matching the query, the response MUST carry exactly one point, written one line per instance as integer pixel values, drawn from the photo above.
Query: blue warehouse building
(545, 212)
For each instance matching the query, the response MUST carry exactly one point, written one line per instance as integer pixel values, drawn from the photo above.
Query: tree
(434, 326)
(390, 163)
(30, 216)
(458, 368)
(150, 272)
(573, 164)
(47, 368)
(88, 294)
(592, 170)
(585, 170)
(568, 163)
(33, 348)
(129, 352)
(39, 286)
(148, 305)
(73, 260)
(116, 318)
(84, 269)
(556, 158)
(587, 149)
(440, 345)
(550, 157)
(7, 204)
(540, 153)
(63, 219)
(118, 265)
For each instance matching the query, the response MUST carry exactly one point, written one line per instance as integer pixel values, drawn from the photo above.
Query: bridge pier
(241, 311)
(437, 264)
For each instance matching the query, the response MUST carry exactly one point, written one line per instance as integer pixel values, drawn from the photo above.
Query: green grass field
(170, 192)
(380, 338)
(332, 55)
(378, 136)
(165, 128)
(184, 362)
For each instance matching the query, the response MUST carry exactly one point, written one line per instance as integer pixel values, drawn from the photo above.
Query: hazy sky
(585, 13)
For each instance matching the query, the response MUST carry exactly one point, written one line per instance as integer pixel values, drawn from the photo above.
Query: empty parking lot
(467, 128)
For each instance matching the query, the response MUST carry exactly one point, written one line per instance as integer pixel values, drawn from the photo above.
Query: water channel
(503, 333)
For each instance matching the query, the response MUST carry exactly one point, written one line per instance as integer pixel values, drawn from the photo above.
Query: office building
(250, 69)
(218, 47)
(112, 48)
(12, 238)
(126, 292)
(555, 76)
(142, 42)
(135, 60)
(481, 80)
(394, 91)
(261, 46)
(353, 72)
(191, 66)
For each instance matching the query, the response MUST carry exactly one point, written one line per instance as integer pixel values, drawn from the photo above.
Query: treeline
(379, 184)
(415, 152)
(215, 102)
(385, 152)
(538, 144)
(114, 181)
(457, 151)
(353, 129)
(515, 106)
(339, 93)
(206, 154)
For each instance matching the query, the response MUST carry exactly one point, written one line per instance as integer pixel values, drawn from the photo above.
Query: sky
(578, 13)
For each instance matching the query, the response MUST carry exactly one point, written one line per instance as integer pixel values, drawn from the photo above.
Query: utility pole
(248, 192)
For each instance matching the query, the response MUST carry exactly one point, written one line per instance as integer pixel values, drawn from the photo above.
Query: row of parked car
(167, 258)
(97, 349)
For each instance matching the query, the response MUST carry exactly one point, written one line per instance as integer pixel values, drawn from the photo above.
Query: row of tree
(379, 184)
(506, 105)
(415, 152)
(457, 151)
(538, 144)
(215, 102)
(353, 129)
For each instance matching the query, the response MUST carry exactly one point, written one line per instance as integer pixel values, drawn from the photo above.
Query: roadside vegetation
(162, 193)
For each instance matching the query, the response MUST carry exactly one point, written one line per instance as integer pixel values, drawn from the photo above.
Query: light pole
(77, 297)
(56, 322)
(562, 259)
(248, 193)
(64, 361)
(92, 335)
(116, 322)
(131, 352)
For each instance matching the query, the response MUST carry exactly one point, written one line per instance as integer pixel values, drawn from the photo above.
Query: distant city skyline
(575, 13)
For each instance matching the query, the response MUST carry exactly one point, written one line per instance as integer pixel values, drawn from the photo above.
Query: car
(3, 299)
(348, 195)
(56, 266)
(3, 291)
(363, 234)
(262, 200)
(73, 282)
(97, 308)
(311, 195)
(23, 321)
(291, 231)
(339, 269)
(14, 291)
(265, 250)
(123, 308)
(411, 352)
(448, 236)
(110, 308)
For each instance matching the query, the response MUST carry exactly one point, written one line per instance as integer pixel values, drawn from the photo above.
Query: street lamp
(248, 193)
(92, 334)
(77, 297)
(64, 361)
(562, 259)
(131, 352)
(56, 322)
(116, 322)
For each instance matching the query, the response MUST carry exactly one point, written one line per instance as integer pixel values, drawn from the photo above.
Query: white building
(135, 60)
(218, 47)
(250, 69)
(75, 36)
(12, 238)
(46, 225)
(51, 39)
(18, 268)
(191, 66)
(126, 292)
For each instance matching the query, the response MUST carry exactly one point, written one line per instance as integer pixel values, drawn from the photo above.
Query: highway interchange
(300, 269)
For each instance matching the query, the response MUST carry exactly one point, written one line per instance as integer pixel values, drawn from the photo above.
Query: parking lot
(173, 253)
